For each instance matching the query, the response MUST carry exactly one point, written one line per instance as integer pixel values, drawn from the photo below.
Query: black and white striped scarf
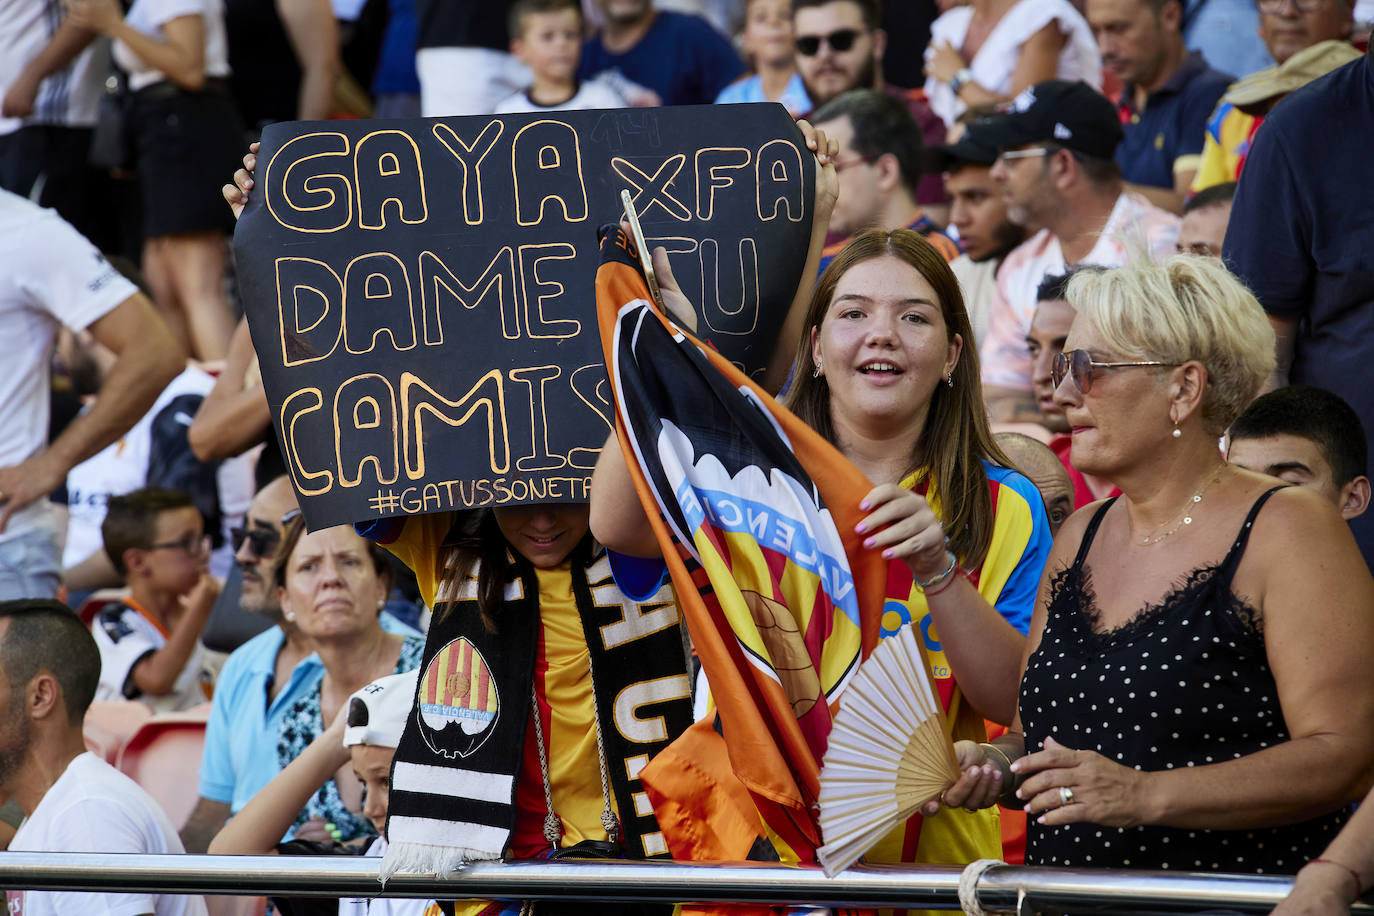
(453, 781)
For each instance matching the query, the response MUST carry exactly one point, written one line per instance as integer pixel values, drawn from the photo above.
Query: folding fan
(888, 752)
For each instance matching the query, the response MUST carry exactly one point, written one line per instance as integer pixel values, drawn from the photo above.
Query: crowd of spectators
(1077, 188)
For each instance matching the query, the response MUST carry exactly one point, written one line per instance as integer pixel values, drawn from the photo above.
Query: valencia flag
(755, 513)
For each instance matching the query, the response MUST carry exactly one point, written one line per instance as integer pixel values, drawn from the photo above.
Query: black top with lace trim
(1185, 682)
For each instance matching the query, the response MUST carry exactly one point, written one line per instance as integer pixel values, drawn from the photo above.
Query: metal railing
(1001, 889)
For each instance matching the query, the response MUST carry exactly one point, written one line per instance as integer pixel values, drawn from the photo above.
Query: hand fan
(888, 752)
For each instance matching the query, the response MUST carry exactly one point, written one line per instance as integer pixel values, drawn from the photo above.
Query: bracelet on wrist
(1354, 875)
(931, 586)
(960, 79)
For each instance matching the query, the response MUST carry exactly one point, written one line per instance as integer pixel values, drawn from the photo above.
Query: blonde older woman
(1197, 689)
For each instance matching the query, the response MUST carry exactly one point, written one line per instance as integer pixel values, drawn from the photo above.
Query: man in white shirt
(73, 800)
(1060, 181)
(53, 277)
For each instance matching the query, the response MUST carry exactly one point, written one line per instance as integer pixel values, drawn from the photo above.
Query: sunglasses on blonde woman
(1080, 365)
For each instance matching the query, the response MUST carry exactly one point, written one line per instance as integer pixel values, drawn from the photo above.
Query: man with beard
(1060, 181)
(840, 46)
(74, 801)
(679, 56)
(260, 680)
(1167, 94)
(978, 213)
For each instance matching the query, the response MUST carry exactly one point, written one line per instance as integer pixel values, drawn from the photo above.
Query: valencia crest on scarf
(454, 777)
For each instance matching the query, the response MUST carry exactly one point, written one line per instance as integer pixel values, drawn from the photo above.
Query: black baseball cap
(977, 146)
(1072, 115)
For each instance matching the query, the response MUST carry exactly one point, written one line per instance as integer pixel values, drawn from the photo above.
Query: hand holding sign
(420, 293)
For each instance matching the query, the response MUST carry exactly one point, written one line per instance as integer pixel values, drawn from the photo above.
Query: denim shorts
(30, 565)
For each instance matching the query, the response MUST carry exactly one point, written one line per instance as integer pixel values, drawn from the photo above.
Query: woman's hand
(97, 15)
(902, 524)
(979, 784)
(236, 194)
(1320, 889)
(1064, 786)
(944, 62)
(679, 307)
(827, 149)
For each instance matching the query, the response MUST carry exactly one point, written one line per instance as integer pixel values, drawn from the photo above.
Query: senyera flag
(755, 512)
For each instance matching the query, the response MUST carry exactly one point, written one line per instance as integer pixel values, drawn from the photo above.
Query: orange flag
(755, 512)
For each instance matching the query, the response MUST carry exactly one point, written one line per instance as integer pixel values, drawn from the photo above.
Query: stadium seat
(111, 723)
(163, 757)
(97, 600)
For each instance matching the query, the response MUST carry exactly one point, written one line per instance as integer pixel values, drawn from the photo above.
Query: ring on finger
(1065, 796)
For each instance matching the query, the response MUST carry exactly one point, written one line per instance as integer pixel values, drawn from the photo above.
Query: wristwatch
(960, 80)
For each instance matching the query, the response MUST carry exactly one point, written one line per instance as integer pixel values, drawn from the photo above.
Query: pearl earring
(1178, 433)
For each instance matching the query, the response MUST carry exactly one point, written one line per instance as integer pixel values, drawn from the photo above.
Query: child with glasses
(150, 642)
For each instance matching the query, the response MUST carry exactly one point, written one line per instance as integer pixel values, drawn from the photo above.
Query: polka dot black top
(1184, 683)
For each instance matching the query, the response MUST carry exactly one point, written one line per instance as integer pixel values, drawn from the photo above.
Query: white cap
(377, 713)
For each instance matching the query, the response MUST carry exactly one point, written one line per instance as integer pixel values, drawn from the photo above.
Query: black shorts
(188, 147)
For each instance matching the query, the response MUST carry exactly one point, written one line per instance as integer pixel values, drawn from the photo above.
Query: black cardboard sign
(421, 293)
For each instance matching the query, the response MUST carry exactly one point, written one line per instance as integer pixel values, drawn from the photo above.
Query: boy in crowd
(1306, 436)
(546, 36)
(150, 643)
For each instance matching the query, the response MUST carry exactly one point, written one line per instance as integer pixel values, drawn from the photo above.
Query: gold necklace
(1188, 509)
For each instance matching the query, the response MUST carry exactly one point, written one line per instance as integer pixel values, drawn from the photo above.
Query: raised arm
(827, 191)
(234, 415)
(260, 824)
(157, 672)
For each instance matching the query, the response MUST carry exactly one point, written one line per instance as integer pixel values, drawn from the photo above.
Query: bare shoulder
(1075, 527)
(1292, 514)
(1070, 537)
(1301, 555)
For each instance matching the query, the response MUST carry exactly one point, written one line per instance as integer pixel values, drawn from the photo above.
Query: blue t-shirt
(396, 60)
(1301, 233)
(240, 755)
(1167, 136)
(750, 89)
(1227, 34)
(681, 58)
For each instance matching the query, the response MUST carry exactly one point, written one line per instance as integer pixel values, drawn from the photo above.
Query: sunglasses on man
(262, 539)
(1079, 365)
(840, 40)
